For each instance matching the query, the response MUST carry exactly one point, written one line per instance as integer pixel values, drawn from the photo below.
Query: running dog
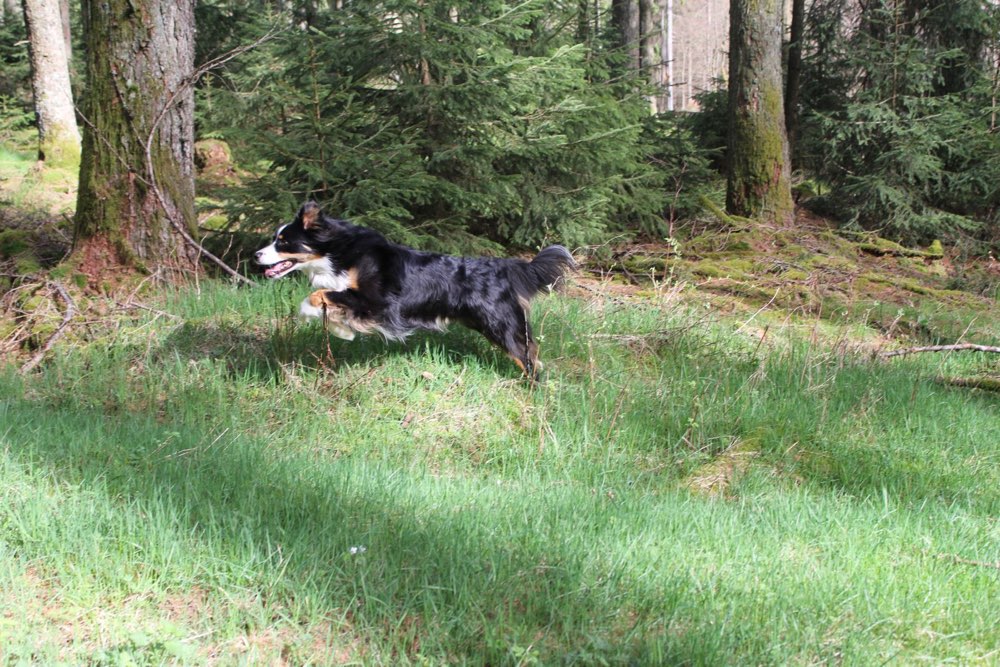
(369, 284)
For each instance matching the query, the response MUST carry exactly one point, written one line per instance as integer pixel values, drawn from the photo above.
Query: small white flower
(360, 549)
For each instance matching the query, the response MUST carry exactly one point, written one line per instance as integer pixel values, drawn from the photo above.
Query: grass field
(209, 481)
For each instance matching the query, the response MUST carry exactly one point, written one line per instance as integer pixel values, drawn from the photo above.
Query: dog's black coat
(395, 289)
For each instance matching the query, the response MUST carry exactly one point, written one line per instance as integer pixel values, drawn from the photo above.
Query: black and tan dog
(369, 284)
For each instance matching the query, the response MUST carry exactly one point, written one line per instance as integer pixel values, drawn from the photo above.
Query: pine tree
(897, 118)
(450, 125)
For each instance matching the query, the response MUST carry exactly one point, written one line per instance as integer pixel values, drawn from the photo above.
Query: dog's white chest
(321, 274)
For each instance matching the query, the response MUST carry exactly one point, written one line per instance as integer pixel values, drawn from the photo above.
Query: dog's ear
(310, 214)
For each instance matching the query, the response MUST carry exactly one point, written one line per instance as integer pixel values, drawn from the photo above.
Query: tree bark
(136, 196)
(649, 40)
(759, 180)
(67, 35)
(584, 24)
(793, 78)
(58, 135)
(625, 16)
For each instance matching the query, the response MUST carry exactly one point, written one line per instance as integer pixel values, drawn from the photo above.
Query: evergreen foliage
(15, 68)
(900, 115)
(452, 125)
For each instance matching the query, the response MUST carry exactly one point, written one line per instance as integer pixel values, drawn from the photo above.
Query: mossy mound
(812, 270)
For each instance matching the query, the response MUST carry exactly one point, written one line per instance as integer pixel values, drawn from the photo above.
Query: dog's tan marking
(318, 299)
(310, 214)
(301, 257)
(352, 278)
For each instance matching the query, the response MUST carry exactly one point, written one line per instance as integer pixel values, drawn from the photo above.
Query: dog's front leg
(316, 305)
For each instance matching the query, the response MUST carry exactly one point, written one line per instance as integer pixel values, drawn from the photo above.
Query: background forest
(461, 126)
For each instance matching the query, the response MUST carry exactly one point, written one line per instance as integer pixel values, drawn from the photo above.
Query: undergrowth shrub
(900, 116)
(455, 126)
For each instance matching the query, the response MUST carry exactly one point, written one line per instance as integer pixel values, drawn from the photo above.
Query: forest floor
(721, 467)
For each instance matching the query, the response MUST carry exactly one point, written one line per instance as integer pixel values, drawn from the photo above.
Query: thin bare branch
(966, 561)
(942, 348)
(67, 316)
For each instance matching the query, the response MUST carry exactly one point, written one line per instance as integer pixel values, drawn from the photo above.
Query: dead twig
(986, 384)
(942, 348)
(965, 561)
(130, 305)
(67, 316)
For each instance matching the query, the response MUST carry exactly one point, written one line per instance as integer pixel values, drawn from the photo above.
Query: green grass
(25, 185)
(224, 484)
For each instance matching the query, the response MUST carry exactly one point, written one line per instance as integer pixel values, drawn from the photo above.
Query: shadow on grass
(451, 569)
(261, 352)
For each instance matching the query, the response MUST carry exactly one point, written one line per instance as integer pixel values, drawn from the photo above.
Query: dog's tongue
(278, 268)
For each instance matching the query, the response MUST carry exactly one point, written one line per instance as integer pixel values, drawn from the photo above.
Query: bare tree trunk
(584, 23)
(793, 78)
(58, 135)
(667, 55)
(67, 36)
(136, 197)
(649, 39)
(625, 16)
(759, 183)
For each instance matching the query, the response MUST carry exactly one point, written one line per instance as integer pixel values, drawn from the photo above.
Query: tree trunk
(649, 40)
(10, 10)
(793, 78)
(136, 197)
(584, 24)
(667, 55)
(759, 183)
(67, 35)
(625, 16)
(58, 135)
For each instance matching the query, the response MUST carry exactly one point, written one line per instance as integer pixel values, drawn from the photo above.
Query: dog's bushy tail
(544, 271)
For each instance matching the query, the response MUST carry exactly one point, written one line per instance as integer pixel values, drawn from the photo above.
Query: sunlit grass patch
(223, 482)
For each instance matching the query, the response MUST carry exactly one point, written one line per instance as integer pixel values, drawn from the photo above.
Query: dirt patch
(318, 643)
(713, 479)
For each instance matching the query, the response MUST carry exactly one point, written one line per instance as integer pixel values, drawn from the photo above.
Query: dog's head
(295, 245)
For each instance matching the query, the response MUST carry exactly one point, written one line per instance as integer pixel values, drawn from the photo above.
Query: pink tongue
(272, 271)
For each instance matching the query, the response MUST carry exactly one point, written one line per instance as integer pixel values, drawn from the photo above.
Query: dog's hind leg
(513, 334)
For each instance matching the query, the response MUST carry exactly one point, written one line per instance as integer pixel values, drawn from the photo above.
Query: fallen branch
(67, 316)
(965, 561)
(942, 348)
(986, 384)
(898, 251)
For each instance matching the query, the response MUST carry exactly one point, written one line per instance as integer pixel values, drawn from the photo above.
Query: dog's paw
(311, 308)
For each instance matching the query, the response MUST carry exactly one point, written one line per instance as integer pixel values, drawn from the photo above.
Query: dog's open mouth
(280, 269)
